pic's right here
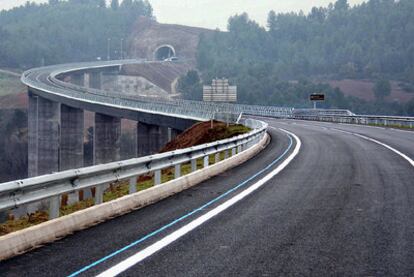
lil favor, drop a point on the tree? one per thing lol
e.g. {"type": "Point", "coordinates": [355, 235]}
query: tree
{"type": "Point", "coordinates": [190, 85]}
{"type": "Point", "coordinates": [341, 5]}
{"type": "Point", "coordinates": [114, 4]}
{"type": "Point", "coordinates": [382, 88]}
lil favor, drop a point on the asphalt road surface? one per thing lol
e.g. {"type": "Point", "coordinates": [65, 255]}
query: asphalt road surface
{"type": "Point", "coordinates": [344, 206]}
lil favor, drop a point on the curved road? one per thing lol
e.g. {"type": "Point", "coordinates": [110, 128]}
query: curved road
{"type": "Point", "coordinates": [344, 206]}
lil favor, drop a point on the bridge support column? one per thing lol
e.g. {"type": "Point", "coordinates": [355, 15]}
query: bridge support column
{"type": "Point", "coordinates": [150, 138]}
{"type": "Point", "coordinates": [71, 138]}
{"type": "Point", "coordinates": [78, 79]}
{"type": "Point", "coordinates": [106, 139]}
{"type": "Point", "coordinates": [154, 138]}
{"type": "Point", "coordinates": [164, 136]}
{"type": "Point", "coordinates": [48, 136]}
{"type": "Point", "coordinates": [95, 80]}
{"type": "Point", "coordinates": [44, 132]}
{"type": "Point", "coordinates": [71, 144]}
{"type": "Point", "coordinates": [32, 134]}
{"type": "Point", "coordinates": [172, 133]}
{"type": "Point", "coordinates": [143, 139]}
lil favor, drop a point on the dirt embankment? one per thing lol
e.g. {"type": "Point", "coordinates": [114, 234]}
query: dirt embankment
{"type": "Point", "coordinates": [203, 133]}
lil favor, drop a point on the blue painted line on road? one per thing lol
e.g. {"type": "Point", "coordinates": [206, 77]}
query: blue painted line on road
{"type": "Point", "coordinates": [156, 232]}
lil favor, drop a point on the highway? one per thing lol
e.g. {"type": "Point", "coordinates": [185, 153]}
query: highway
{"type": "Point", "coordinates": [343, 206]}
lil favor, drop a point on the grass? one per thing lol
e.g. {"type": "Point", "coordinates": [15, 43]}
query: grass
{"type": "Point", "coordinates": [392, 126]}
{"type": "Point", "coordinates": [115, 191]}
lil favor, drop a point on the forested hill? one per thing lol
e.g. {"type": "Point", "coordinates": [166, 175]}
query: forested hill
{"type": "Point", "coordinates": [65, 31]}
{"type": "Point", "coordinates": [376, 37]}
{"type": "Point", "coordinates": [374, 40]}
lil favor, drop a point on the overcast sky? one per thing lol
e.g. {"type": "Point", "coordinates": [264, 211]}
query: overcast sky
{"type": "Point", "coordinates": [214, 13]}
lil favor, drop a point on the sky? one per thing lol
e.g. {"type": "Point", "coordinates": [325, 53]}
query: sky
{"type": "Point", "coordinates": [214, 13]}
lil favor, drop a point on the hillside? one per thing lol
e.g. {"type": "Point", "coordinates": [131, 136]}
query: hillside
{"type": "Point", "coordinates": [371, 41]}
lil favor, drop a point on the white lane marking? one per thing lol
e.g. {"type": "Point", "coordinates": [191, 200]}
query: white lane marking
{"type": "Point", "coordinates": [379, 143]}
{"type": "Point", "coordinates": [150, 250]}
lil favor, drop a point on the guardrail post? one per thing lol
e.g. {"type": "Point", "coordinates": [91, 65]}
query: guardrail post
{"type": "Point", "coordinates": [206, 161]}
{"type": "Point", "coordinates": [133, 185]}
{"type": "Point", "coordinates": [193, 165]}
{"type": "Point", "coordinates": [157, 177]}
{"type": "Point", "coordinates": [226, 154]}
{"type": "Point", "coordinates": [99, 192]}
{"type": "Point", "coordinates": [177, 171]}
{"type": "Point", "coordinates": [233, 152]}
{"type": "Point", "coordinates": [239, 149]}
{"type": "Point", "coordinates": [54, 206]}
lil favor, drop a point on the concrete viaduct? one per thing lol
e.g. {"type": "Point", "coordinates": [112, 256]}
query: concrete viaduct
{"type": "Point", "coordinates": [56, 120]}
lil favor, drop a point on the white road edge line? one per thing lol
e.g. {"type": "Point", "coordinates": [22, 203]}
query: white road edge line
{"type": "Point", "coordinates": [379, 143]}
{"type": "Point", "coordinates": [150, 250]}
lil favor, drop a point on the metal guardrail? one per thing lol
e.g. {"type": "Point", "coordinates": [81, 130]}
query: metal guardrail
{"type": "Point", "coordinates": [180, 108]}
{"type": "Point", "coordinates": [17, 193]}
{"type": "Point", "coordinates": [387, 121]}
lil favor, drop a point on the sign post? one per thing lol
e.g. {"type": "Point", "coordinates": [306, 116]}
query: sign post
{"type": "Point", "coordinates": [315, 97]}
{"type": "Point", "coordinates": [220, 91]}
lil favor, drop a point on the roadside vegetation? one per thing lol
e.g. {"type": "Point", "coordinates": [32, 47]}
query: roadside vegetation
{"type": "Point", "coordinates": [67, 31]}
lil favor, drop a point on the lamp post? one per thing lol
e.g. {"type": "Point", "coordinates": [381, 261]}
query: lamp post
{"type": "Point", "coordinates": [122, 48]}
{"type": "Point", "coordinates": [108, 49]}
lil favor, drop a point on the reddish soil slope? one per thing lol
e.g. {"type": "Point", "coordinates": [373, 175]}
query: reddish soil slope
{"type": "Point", "coordinates": [202, 133]}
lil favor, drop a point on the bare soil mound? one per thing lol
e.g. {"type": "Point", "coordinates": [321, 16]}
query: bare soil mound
{"type": "Point", "coordinates": [201, 133]}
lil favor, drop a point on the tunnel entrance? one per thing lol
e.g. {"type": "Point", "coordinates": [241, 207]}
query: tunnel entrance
{"type": "Point", "coordinates": [164, 52]}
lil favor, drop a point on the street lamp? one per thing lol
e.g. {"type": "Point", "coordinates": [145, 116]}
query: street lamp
{"type": "Point", "coordinates": [122, 48]}
{"type": "Point", "coordinates": [108, 53]}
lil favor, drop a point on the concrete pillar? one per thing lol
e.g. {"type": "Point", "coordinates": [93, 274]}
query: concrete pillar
{"type": "Point", "coordinates": [71, 144]}
{"type": "Point", "coordinates": [154, 139]}
{"type": "Point", "coordinates": [78, 79]}
{"type": "Point", "coordinates": [150, 138]}
{"type": "Point", "coordinates": [95, 80]}
{"type": "Point", "coordinates": [143, 139]}
{"type": "Point", "coordinates": [164, 136]}
{"type": "Point", "coordinates": [48, 119]}
{"type": "Point", "coordinates": [173, 133]}
{"type": "Point", "coordinates": [107, 136]}
{"type": "Point", "coordinates": [44, 132]}
{"type": "Point", "coordinates": [32, 136]}
{"type": "Point", "coordinates": [71, 138]}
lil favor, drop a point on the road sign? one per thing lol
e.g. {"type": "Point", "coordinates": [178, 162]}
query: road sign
{"type": "Point", "coordinates": [317, 97]}
{"type": "Point", "coordinates": [220, 91]}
